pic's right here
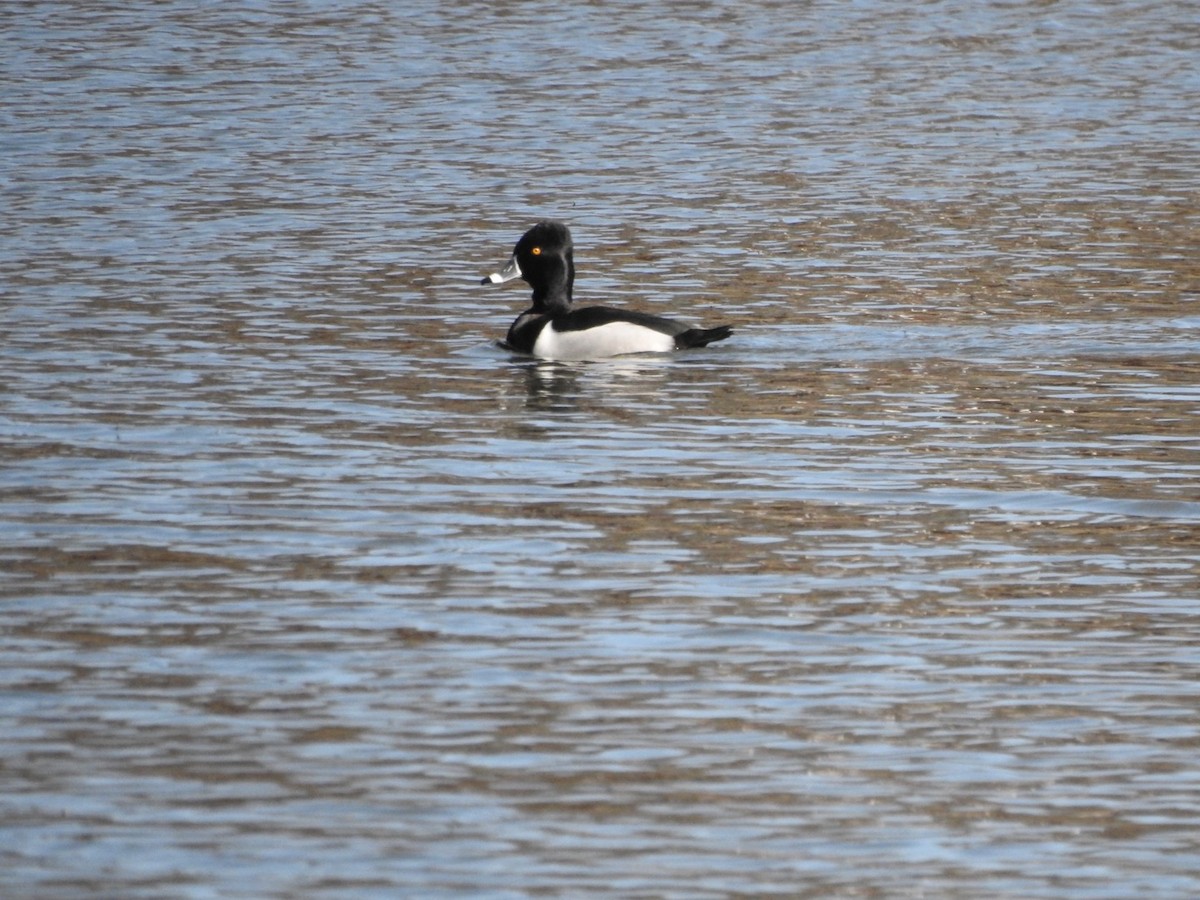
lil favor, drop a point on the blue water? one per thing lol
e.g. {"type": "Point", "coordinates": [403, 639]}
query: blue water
{"type": "Point", "coordinates": [311, 589]}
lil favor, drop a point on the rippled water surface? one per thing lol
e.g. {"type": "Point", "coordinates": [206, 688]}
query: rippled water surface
{"type": "Point", "coordinates": [310, 589]}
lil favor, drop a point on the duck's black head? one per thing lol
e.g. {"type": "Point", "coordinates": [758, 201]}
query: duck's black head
{"type": "Point", "coordinates": [545, 258]}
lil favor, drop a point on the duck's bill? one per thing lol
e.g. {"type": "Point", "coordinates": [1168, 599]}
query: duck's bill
{"type": "Point", "coordinates": [508, 273]}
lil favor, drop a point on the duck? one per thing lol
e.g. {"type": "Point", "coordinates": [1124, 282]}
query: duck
{"type": "Point", "coordinates": [554, 329]}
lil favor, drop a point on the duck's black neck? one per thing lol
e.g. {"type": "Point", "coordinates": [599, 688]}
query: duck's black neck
{"type": "Point", "coordinates": [556, 278]}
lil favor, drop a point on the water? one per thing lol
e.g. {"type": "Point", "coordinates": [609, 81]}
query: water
{"type": "Point", "coordinates": [310, 589]}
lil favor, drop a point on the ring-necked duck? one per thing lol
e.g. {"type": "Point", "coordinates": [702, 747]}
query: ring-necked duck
{"type": "Point", "coordinates": [553, 329]}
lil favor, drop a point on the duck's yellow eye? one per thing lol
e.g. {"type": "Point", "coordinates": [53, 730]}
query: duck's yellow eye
{"type": "Point", "coordinates": [536, 251]}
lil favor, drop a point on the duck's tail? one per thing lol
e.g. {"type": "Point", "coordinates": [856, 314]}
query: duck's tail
{"type": "Point", "coordinates": [702, 337]}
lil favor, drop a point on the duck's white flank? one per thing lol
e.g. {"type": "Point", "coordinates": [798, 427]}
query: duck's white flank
{"type": "Point", "coordinates": [613, 339]}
